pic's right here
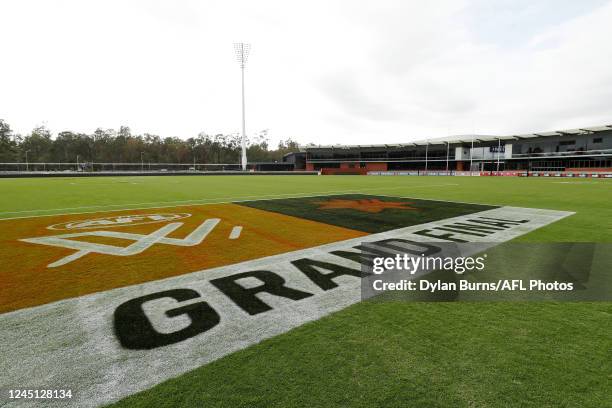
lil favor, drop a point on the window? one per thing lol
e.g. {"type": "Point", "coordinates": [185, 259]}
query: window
{"type": "Point", "coordinates": [598, 140]}
{"type": "Point", "coordinates": [567, 143]}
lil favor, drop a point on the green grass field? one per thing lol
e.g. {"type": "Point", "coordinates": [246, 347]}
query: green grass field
{"type": "Point", "coordinates": [394, 354]}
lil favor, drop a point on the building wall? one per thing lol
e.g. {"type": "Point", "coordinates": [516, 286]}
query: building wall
{"type": "Point", "coordinates": [485, 153]}
{"type": "Point", "coordinates": [347, 168]}
{"type": "Point", "coordinates": [376, 166]}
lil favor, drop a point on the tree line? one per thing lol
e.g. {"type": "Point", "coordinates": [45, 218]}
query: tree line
{"type": "Point", "coordinates": [121, 146]}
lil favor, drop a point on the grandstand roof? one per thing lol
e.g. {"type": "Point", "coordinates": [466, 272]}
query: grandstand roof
{"type": "Point", "coordinates": [476, 138]}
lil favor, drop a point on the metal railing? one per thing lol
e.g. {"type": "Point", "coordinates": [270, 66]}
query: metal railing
{"type": "Point", "coordinates": [597, 152]}
{"type": "Point", "coordinates": [143, 167]}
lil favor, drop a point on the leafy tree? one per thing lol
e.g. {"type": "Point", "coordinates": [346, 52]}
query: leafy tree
{"type": "Point", "coordinates": [110, 146]}
{"type": "Point", "coordinates": [8, 146]}
{"type": "Point", "coordinates": [38, 145]}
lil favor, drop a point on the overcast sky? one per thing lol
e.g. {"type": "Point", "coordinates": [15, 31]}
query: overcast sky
{"type": "Point", "coordinates": [320, 71]}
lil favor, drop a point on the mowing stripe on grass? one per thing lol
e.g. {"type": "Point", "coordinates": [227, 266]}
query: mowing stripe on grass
{"type": "Point", "coordinates": [203, 201]}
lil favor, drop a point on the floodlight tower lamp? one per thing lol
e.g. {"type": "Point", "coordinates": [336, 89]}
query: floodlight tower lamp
{"type": "Point", "coordinates": [242, 55]}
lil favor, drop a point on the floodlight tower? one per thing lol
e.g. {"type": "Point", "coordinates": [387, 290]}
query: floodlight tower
{"type": "Point", "coordinates": [242, 54]}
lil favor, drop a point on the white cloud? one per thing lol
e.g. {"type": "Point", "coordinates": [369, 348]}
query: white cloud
{"type": "Point", "coordinates": [320, 71]}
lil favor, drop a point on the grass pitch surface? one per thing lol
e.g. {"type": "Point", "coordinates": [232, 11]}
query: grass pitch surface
{"type": "Point", "coordinates": [381, 354]}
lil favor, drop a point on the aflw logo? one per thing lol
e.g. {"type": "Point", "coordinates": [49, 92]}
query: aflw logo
{"type": "Point", "coordinates": [141, 242]}
{"type": "Point", "coordinates": [118, 221]}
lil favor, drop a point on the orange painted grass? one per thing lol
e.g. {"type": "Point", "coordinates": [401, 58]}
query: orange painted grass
{"type": "Point", "coordinates": [25, 279]}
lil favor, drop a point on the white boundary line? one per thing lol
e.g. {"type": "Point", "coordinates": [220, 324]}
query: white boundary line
{"type": "Point", "coordinates": [204, 201]}
{"type": "Point", "coordinates": [579, 181]}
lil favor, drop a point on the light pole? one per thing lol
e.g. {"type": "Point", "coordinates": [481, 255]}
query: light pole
{"type": "Point", "coordinates": [426, 154]}
{"type": "Point", "coordinates": [498, 152]}
{"type": "Point", "coordinates": [141, 162]}
{"type": "Point", "coordinates": [447, 151]}
{"type": "Point", "coordinates": [471, 154]}
{"type": "Point", "coordinates": [77, 163]}
{"type": "Point", "coordinates": [242, 54]}
{"type": "Point", "coordinates": [27, 166]}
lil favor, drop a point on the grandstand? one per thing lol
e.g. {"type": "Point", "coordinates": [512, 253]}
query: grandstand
{"type": "Point", "coordinates": [574, 150]}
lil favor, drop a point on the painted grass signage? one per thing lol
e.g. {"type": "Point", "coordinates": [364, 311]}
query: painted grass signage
{"type": "Point", "coordinates": [140, 242]}
{"type": "Point", "coordinates": [118, 221]}
{"type": "Point", "coordinates": [52, 265]}
{"type": "Point", "coordinates": [108, 344]}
